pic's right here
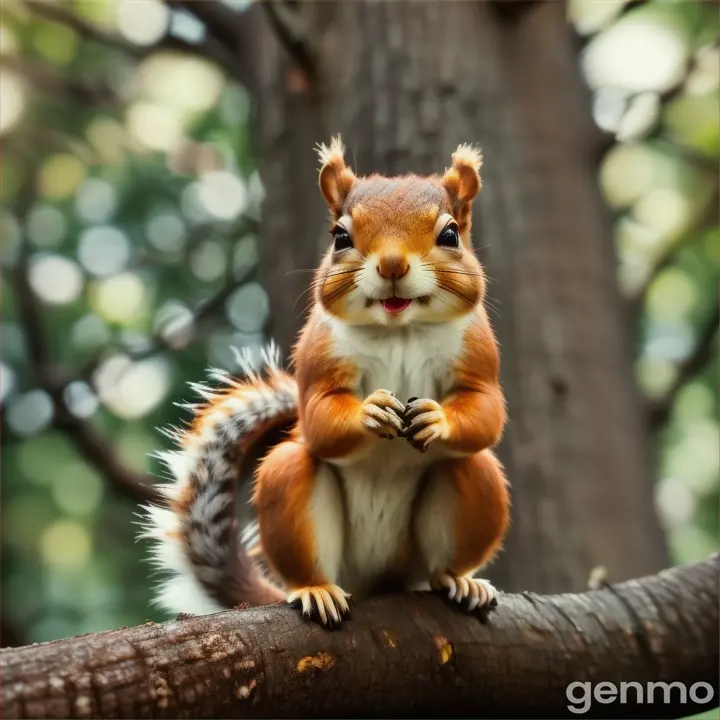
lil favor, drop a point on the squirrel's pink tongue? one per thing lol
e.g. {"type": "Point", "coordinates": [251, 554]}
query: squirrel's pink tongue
{"type": "Point", "coordinates": [395, 304]}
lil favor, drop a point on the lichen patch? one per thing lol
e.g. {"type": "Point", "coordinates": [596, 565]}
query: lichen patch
{"type": "Point", "coordinates": [319, 661]}
{"type": "Point", "coordinates": [444, 648]}
{"type": "Point", "coordinates": [389, 638]}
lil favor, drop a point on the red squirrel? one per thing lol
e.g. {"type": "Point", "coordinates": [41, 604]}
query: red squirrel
{"type": "Point", "coordinates": [385, 479]}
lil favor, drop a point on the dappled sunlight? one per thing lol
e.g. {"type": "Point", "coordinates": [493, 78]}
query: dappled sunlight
{"type": "Point", "coordinates": [81, 400]}
{"type": "Point", "coordinates": [663, 210]}
{"type": "Point", "coordinates": [142, 23]}
{"type": "Point", "coordinates": [182, 84]}
{"type": "Point", "coordinates": [108, 139]}
{"type": "Point", "coordinates": [166, 231]}
{"type": "Point", "coordinates": [60, 176]}
{"type": "Point", "coordinates": [104, 250]}
{"type": "Point", "coordinates": [248, 308]}
{"type": "Point", "coordinates": [121, 299]}
{"type": "Point", "coordinates": [132, 389]}
{"type": "Point", "coordinates": [208, 262]}
{"type": "Point", "coordinates": [55, 279]}
{"type": "Point", "coordinates": [154, 126]}
{"type": "Point", "coordinates": [46, 226]}
{"type": "Point", "coordinates": [95, 200]}
{"type": "Point", "coordinates": [613, 57]}
{"type": "Point", "coordinates": [89, 332]}
{"type": "Point", "coordinates": [66, 545]}
{"type": "Point", "coordinates": [7, 381]}
{"type": "Point", "coordinates": [175, 324]}
{"type": "Point", "coordinates": [30, 412]}
{"type": "Point", "coordinates": [77, 490]}
{"type": "Point", "coordinates": [12, 101]}
{"type": "Point", "coordinates": [222, 194]}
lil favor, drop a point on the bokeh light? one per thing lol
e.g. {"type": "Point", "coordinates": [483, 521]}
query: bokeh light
{"type": "Point", "coordinates": [166, 232]}
{"type": "Point", "coordinates": [142, 23]}
{"type": "Point", "coordinates": [248, 307]}
{"type": "Point", "coordinates": [66, 545]}
{"type": "Point", "coordinates": [30, 412]}
{"type": "Point", "coordinates": [121, 299]}
{"type": "Point", "coordinates": [154, 126]}
{"type": "Point", "coordinates": [12, 100]}
{"type": "Point", "coordinates": [95, 200]}
{"type": "Point", "coordinates": [132, 389]}
{"type": "Point", "coordinates": [80, 399]}
{"type": "Point", "coordinates": [46, 225]}
{"type": "Point", "coordinates": [104, 250]}
{"type": "Point", "coordinates": [7, 381]}
{"type": "Point", "coordinates": [60, 176]}
{"type": "Point", "coordinates": [223, 194]}
{"type": "Point", "coordinates": [612, 57]}
{"type": "Point", "coordinates": [55, 279]}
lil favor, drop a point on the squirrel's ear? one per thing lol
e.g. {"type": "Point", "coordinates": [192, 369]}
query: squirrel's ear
{"type": "Point", "coordinates": [335, 179]}
{"type": "Point", "coordinates": [462, 179]}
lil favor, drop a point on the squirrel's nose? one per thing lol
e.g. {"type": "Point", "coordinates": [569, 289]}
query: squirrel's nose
{"type": "Point", "coordinates": [392, 267]}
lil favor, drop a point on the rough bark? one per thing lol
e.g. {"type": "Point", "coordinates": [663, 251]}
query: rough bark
{"type": "Point", "coordinates": [405, 83]}
{"type": "Point", "coordinates": [409, 657]}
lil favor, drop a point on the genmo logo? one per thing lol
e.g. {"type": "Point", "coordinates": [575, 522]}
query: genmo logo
{"type": "Point", "coordinates": [581, 695]}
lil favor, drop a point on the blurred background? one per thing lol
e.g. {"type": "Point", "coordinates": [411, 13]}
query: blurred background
{"type": "Point", "coordinates": [133, 256]}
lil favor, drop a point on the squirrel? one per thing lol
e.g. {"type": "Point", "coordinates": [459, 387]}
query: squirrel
{"type": "Point", "coordinates": [383, 476]}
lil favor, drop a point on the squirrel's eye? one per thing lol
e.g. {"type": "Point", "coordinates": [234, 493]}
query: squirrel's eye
{"type": "Point", "coordinates": [343, 241]}
{"type": "Point", "coordinates": [449, 237]}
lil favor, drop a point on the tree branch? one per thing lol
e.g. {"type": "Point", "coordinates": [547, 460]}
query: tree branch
{"type": "Point", "coordinates": [409, 656]}
{"type": "Point", "coordinates": [208, 49]}
{"type": "Point", "coordinates": [512, 10]}
{"type": "Point", "coordinates": [54, 12]}
{"type": "Point", "coordinates": [220, 21]}
{"type": "Point", "coordinates": [660, 408]}
{"type": "Point", "coordinates": [292, 33]}
{"type": "Point", "coordinates": [707, 216]}
{"type": "Point", "coordinates": [93, 447]}
{"type": "Point", "coordinates": [45, 79]}
{"type": "Point", "coordinates": [202, 313]}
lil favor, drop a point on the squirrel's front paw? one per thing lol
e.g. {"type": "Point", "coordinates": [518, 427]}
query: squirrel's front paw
{"type": "Point", "coordinates": [381, 413]}
{"type": "Point", "coordinates": [326, 604]}
{"type": "Point", "coordinates": [425, 422]}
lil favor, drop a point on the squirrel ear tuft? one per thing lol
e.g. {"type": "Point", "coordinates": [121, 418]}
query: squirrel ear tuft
{"type": "Point", "coordinates": [335, 179]}
{"type": "Point", "coordinates": [462, 179]}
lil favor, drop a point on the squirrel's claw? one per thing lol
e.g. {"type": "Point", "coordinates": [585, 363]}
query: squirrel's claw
{"type": "Point", "coordinates": [479, 594]}
{"type": "Point", "coordinates": [326, 604]}
{"type": "Point", "coordinates": [424, 422]}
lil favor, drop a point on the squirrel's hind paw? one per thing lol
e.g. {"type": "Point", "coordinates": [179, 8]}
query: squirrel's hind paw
{"type": "Point", "coordinates": [326, 604]}
{"type": "Point", "coordinates": [479, 594]}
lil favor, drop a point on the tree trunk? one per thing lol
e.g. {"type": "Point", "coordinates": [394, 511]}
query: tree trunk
{"type": "Point", "coordinates": [405, 83]}
{"type": "Point", "coordinates": [409, 657]}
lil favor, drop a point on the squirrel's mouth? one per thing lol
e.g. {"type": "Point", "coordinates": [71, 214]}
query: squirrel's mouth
{"type": "Point", "coordinates": [395, 305]}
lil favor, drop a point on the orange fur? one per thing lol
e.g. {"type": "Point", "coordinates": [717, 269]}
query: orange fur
{"type": "Point", "coordinates": [393, 222]}
{"type": "Point", "coordinates": [475, 409]}
{"type": "Point", "coordinates": [330, 419]}
{"type": "Point", "coordinates": [335, 179]}
{"type": "Point", "coordinates": [483, 511]}
{"type": "Point", "coordinates": [284, 483]}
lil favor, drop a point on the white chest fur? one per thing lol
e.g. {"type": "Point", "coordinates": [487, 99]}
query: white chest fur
{"type": "Point", "coordinates": [413, 361]}
{"type": "Point", "coordinates": [380, 487]}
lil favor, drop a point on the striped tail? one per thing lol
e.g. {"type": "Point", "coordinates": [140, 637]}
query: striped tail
{"type": "Point", "coordinates": [195, 537]}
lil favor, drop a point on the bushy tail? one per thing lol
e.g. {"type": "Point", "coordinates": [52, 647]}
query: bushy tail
{"type": "Point", "coordinates": [196, 539]}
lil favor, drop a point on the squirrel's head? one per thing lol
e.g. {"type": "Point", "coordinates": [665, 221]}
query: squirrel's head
{"type": "Point", "coordinates": [401, 251]}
